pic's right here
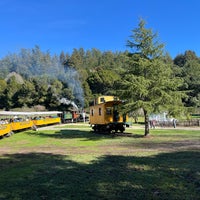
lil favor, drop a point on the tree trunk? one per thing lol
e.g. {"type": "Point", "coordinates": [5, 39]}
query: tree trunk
{"type": "Point", "coordinates": [146, 122]}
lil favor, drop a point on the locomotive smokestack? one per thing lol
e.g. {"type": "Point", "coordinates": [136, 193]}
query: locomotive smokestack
{"type": "Point", "coordinates": [68, 102]}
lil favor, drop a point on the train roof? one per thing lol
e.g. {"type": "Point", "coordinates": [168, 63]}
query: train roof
{"type": "Point", "coordinates": [113, 102]}
{"type": "Point", "coordinates": [10, 113]}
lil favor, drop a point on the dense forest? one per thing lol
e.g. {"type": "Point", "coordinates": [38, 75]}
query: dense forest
{"type": "Point", "coordinates": [41, 81]}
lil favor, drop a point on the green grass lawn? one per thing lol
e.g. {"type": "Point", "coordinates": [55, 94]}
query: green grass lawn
{"type": "Point", "coordinates": [78, 164]}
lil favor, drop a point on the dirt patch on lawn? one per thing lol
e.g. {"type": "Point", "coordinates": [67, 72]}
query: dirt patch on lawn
{"type": "Point", "coordinates": [109, 149]}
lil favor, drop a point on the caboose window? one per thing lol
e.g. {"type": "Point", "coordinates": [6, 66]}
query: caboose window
{"type": "Point", "coordinates": [108, 111]}
{"type": "Point", "coordinates": [102, 100]}
{"type": "Point", "coordinates": [92, 112]}
{"type": "Point", "coordinates": [99, 111]}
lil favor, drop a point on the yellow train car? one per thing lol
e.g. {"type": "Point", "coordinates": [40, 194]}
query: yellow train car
{"type": "Point", "coordinates": [106, 116]}
{"type": "Point", "coordinates": [46, 118]}
{"type": "Point", "coordinates": [11, 122]}
{"type": "Point", "coordinates": [5, 130]}
{"type": "Point", "coordinates": [20, 125]}
{"type": "Point", "coordinates": [46, 121]}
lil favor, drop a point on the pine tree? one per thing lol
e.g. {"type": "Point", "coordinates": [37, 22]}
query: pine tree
{"type": "Point", "coordinates": [149, 82]}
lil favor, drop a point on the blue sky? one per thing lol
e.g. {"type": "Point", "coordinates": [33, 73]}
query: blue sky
{"type": "Point", "coordinates": [57, 25]}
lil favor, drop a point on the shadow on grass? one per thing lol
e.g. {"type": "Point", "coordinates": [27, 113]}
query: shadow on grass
{"type": "Point", "coordinates": [48, 176]}
{"type": "Point", "coordinates": [88, 135]}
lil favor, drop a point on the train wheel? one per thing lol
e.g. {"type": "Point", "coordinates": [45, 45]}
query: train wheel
{"type": "Point", "coordinates": [122, 129]}
{"type": "Point", "coordinates": [109, 130]}
{"type": "Point", "coordinates": [97, 128]}
{"type": "Point", "coordinates": [94, 128]}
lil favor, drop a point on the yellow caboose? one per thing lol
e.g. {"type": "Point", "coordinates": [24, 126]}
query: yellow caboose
{"type": "Point", "coordinates": [105, 115]}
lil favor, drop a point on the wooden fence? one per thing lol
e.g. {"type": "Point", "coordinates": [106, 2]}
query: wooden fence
{"type": "Point", "coordinates": [193, 122]}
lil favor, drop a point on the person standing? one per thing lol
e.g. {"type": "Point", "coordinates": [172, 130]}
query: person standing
{"type": "Point", "coordinates": [174, 122]}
